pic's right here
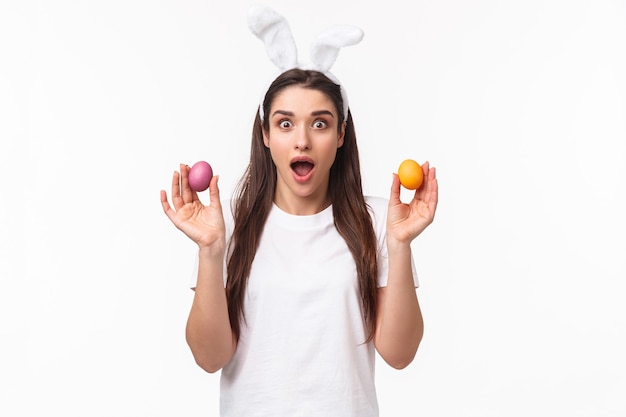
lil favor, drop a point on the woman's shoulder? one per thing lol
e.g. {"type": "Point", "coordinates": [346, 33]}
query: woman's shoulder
{"type": "Point", "coordinates": [377, 204]}
{"type": "Point", "coordinates": [228, 211]}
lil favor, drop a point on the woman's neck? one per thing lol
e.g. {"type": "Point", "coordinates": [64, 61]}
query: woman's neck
{"type": "Point", "coordinates": [302, 206]}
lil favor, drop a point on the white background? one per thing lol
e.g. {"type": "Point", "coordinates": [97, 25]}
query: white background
{"type": "Point", "coordinates": [521, 106]}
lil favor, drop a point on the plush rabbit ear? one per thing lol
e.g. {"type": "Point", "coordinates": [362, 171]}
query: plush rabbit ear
{"type": "Point", "coordinates": [274, 31]}
{"type": "Point", "coordinates": [326, 47]}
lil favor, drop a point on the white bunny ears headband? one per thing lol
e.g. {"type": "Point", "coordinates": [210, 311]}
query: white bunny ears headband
{"type": "Point", "coordinates": [274, 31]}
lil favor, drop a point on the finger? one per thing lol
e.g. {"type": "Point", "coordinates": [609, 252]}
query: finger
{"type": "Point", "coordinates": [433, 186]}
{"type": "Point", "coordinates": [394, 196]}
{"type": "Point", "coordinates": [176, 198]}
{"type": "Point", "coordinates": [188, 194]}
{"type": "Point", "coordinates": [431, 190]}
{"type": "Point", "coordinates": [431, 180]}
{"type": "Point", "coordinates": [432, 175]}
{"type": "Point", "coordinates": [214, 192]}
{"type": "Point", "coordinates": [425, 169]}
{"type": "Point", "coordinates": [166, 206]}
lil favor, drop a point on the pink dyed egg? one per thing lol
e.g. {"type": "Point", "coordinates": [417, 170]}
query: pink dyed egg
{"type": "Point", "coordinates": [200, 175]}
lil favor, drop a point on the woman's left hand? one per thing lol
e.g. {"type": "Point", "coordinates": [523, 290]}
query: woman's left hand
{"type": "Point", "coordinates": [406, 221]}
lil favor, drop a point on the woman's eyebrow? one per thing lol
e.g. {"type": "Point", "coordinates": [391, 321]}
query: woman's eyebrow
{"type": "Point", "coordinates": [322, 112]}
{"type": "Point", "coordinates": [283, 112]}
{"type": "Point", "coordinates": [314, 113]}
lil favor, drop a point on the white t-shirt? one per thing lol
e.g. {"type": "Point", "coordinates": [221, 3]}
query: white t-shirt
{"type": "Point", "coordinates": [301, 350]}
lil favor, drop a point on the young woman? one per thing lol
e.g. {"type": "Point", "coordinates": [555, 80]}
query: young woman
{"type": "Point", "coordinates": [304, 278]}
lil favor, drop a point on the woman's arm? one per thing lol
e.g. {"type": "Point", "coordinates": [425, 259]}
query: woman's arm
{"type": "Point", "coordinates": [399, 324]}
{"type": "Point", "coordinates": [209, 334]}
{"type": "Point", "coordinates": [208, 331]}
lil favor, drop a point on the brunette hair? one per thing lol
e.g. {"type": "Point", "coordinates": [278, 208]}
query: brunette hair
{"type": "Point", "coordinates": [254, 196]}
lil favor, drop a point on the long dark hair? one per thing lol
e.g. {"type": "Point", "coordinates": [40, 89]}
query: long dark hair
{"type": "Point", "coordinates": [254, 196]}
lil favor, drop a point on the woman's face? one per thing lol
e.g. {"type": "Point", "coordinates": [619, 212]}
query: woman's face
{"type": "Point", "coordinates": [303, 140]}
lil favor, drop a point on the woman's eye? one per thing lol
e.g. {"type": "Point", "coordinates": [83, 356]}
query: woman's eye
{"type": "Point", "coordinates": [319, 124]}
{"type": "Point", "coordinates": [284, 124]}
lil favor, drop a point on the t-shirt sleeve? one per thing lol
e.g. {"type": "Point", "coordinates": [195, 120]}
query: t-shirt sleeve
{"type": "Point", "coordinates": [230, 223]}
{"type": "Point", "coordinates": [378, 207]}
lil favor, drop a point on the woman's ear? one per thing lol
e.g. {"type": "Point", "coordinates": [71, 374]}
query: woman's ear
{"type": "Point", "coordinates": [266, 137]}
{"type": "Point", "coordinates": [342, 133]}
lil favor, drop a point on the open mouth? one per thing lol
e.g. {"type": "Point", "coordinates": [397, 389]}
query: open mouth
{"type": "Point", "coordinates": [302, 167]}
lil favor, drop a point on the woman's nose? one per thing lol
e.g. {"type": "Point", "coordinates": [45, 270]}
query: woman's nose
{"type": "Point", "coordinates": [302, 139]}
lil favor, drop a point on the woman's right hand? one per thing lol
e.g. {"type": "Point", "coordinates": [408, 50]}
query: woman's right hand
{"type": "Point", "coordinates": [202, 224]}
